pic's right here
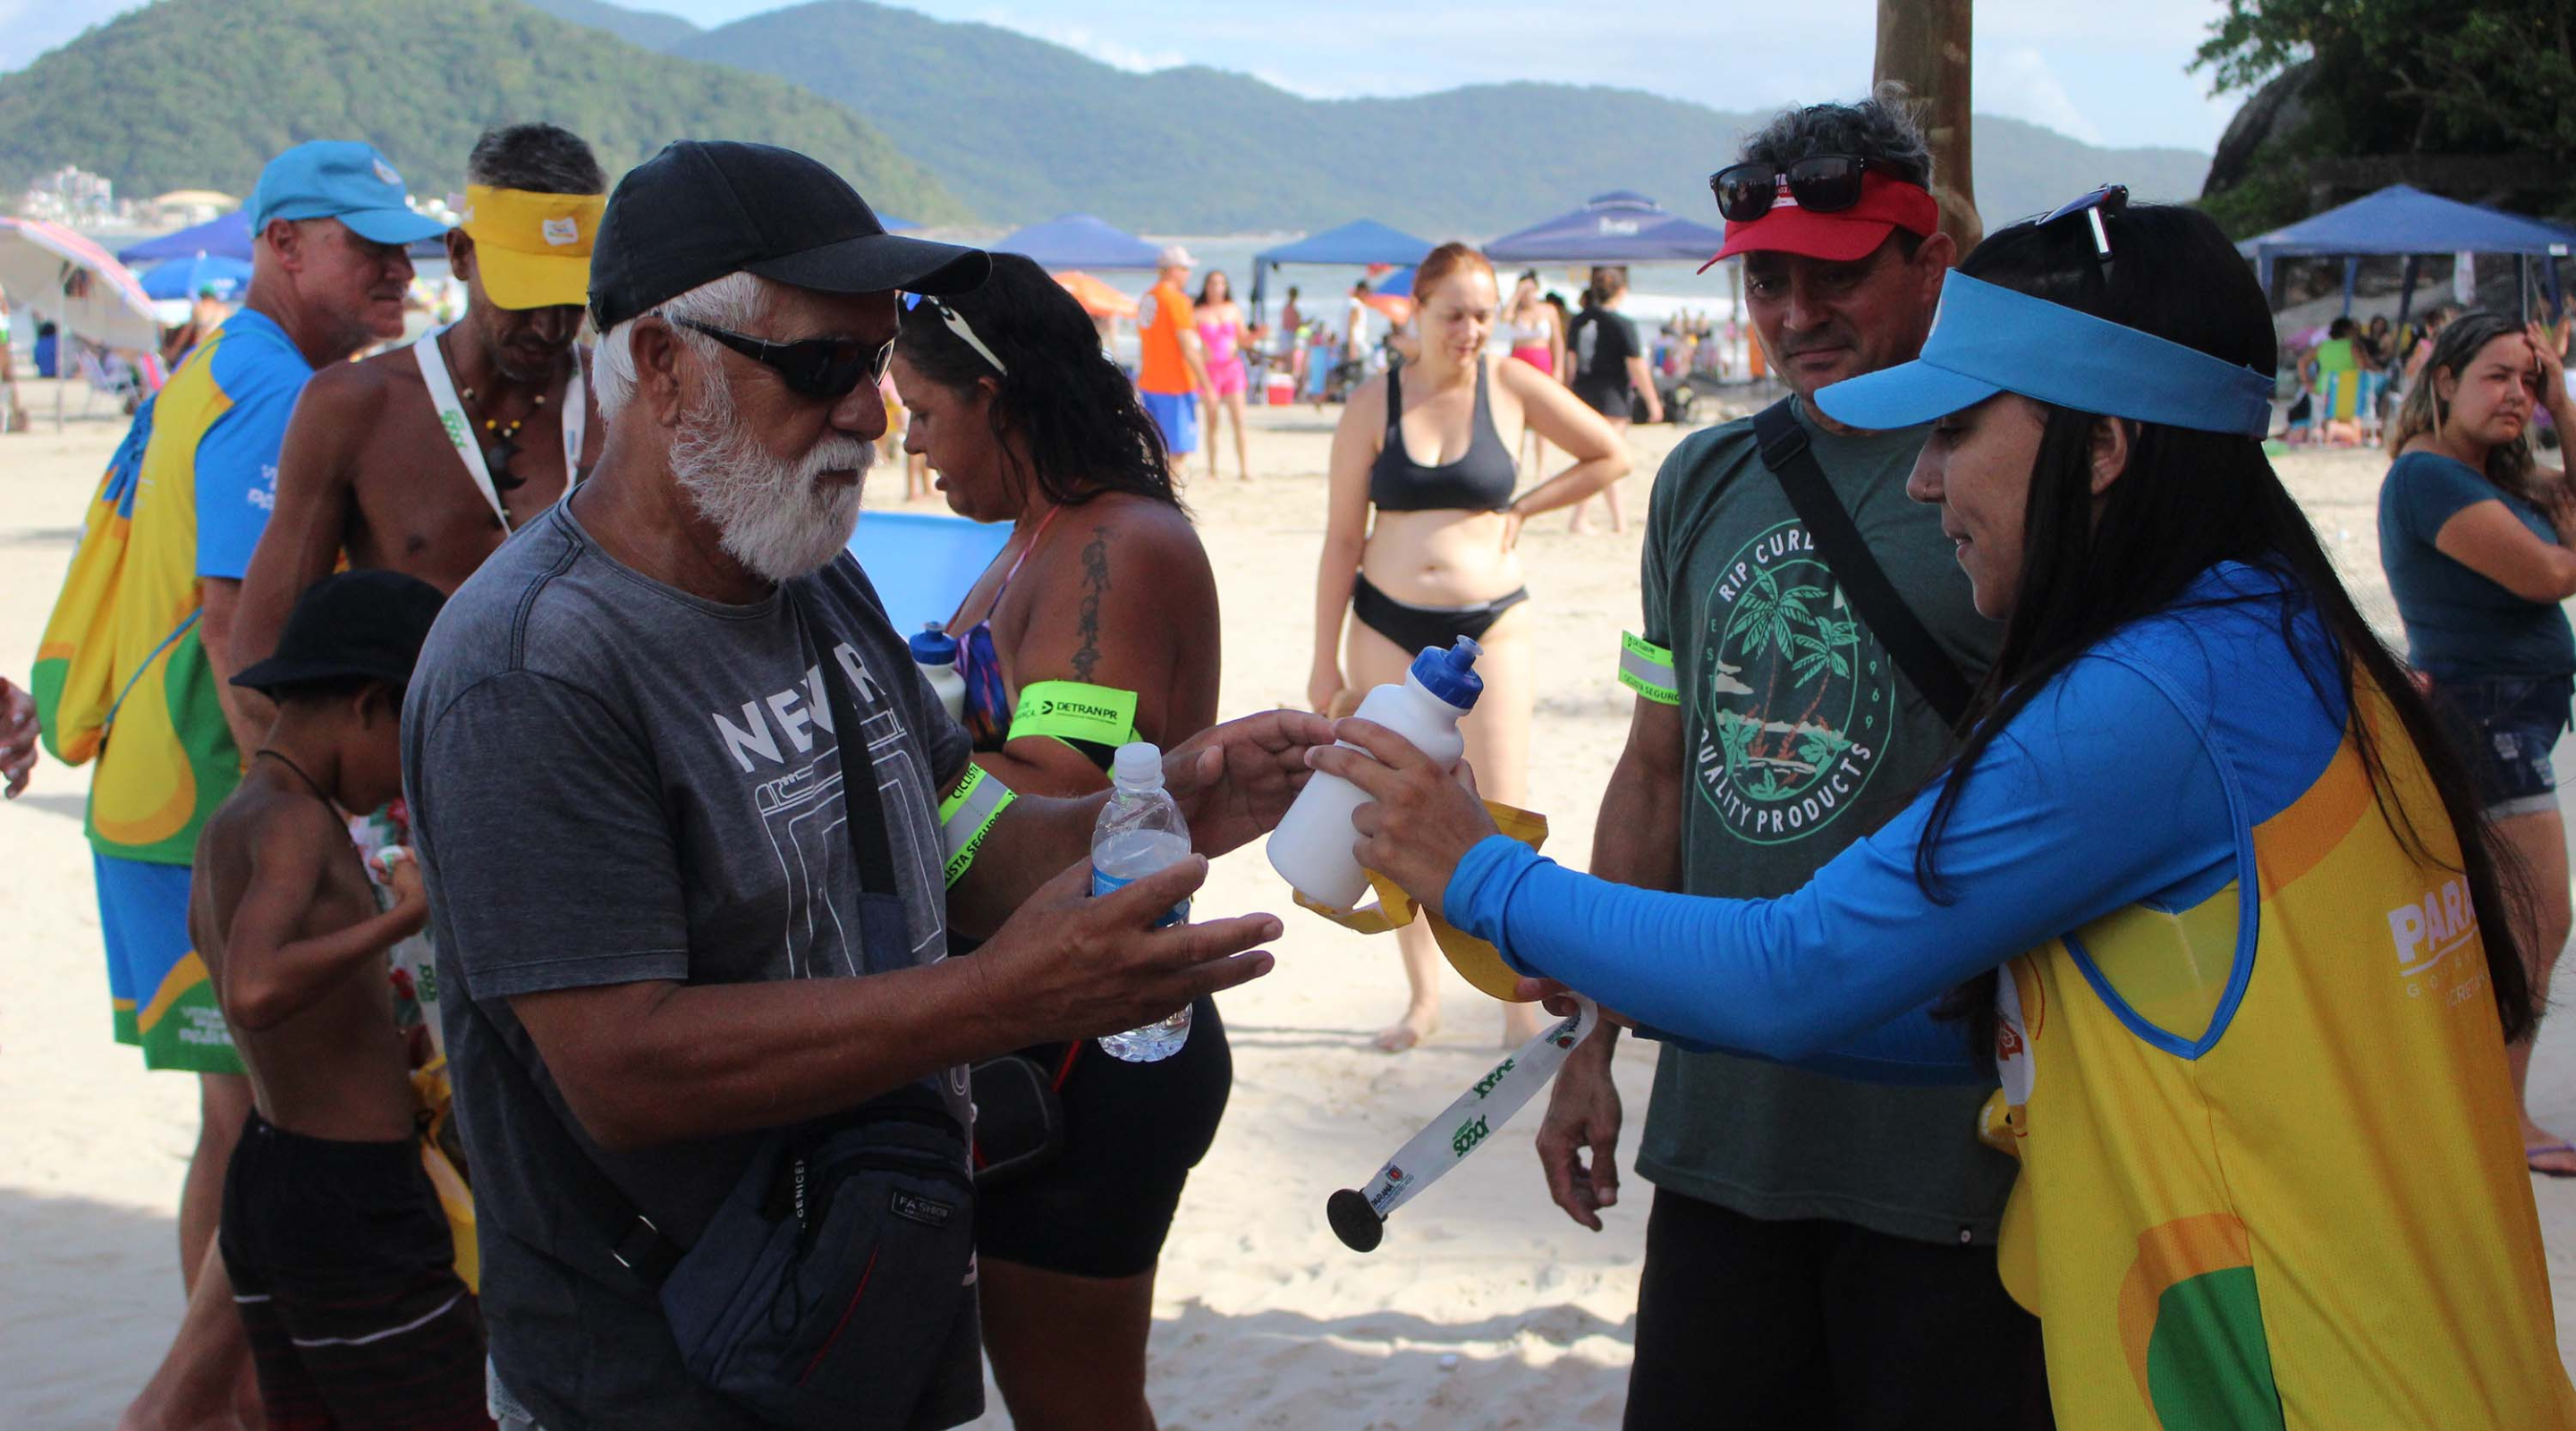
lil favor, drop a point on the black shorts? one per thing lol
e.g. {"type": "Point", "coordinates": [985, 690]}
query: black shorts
{"type": "Point", "coordinates": [1607, 398]}
{"type": "Point", "coordinates": [345, 1276]}
{"type": "Point", "coordinates": [1825, 1326]}
{"type": "Point", "coordinates": [1132, 1133]}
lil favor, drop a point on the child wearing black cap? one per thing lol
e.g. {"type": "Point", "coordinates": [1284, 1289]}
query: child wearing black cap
{"type": "Point", "coordinates": [342, 1263]}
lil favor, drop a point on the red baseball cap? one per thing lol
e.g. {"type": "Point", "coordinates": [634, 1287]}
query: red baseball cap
{"type": "Point", "coordinates": [1886, 204]}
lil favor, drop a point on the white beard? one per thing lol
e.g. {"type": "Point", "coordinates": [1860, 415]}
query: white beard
{"type": "Point", "coordinates": [774, 516]}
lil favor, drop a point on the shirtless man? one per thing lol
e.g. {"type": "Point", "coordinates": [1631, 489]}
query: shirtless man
{"type": "Point", "coordinates": [423, 458]}
{"type": "Point", "coordinates": [342, 1265]}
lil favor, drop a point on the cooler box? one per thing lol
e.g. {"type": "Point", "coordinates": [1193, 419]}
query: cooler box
{"type": "Point", "coordinates": [1279, 386]}
{"type": "Point", "coordinates": [922, 565]}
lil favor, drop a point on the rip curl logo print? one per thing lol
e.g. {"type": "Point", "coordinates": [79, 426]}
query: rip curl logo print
{"type": "Point", "coordinates": [1794, 696]}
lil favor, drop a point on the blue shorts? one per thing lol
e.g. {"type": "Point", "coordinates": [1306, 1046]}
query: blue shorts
{"type": "Point", "coordinates": [1177, 414]}
{"type": "Point", "coordinates": [157, 986]}
{"type": "Point", "coordinates": [2506, 729]}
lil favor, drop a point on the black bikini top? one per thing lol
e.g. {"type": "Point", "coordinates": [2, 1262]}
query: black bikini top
{"type": "Point", "coordinates": [1480, 481]}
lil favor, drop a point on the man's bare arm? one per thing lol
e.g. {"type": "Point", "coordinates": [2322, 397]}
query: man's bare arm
{"type": "Point", "coordinates": [246, 711]}
{"type": "Point", "coordinates": [651, 1063]}
{"type": "Point", "coordinates": [270, 974]}
{"type": "Point", "coordinates": [316, 493]}
{"type": "Point", "coordinates": [1637, 840]}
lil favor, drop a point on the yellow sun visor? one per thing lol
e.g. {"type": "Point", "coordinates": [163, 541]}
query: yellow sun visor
{"type": "Point", "coordinates": [532, 250]}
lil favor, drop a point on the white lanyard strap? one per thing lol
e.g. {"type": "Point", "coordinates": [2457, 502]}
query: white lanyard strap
{"type": "Point", "coordinates": [452, 419]}
{"type": "Point", "coordinates": [451, 416]}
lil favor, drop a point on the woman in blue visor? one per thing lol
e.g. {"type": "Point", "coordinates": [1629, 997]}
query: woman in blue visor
{"type": "Point", "coordinates": [2215, 894]}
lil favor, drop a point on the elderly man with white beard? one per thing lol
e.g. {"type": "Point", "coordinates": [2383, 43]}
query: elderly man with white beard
{"type": "Point", "coordinates": [703, 991]}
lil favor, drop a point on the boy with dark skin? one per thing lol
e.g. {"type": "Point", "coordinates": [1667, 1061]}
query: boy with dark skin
{"type": "Point", "coordinates": [342, 1265]}
{"type": "Point", "coordinates": [369, 467]}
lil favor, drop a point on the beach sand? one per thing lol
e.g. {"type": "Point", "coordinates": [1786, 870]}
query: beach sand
{"type": "Point", "coordinates": [1485, 1307]}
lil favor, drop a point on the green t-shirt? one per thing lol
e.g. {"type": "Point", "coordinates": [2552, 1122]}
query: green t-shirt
{"type": "Point", "coordinates": [1800, 736]}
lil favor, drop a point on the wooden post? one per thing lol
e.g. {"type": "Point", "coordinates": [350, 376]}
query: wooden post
{"type": "Point", "coordinates": [1923, 45]}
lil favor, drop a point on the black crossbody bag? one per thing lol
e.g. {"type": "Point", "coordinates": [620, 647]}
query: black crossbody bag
{"type": "Point", "coordinates": [1784, 448]}
{"type": "Point", "coordinates": [832, 1289]}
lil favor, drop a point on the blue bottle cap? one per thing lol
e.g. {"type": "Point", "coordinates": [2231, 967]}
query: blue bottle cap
{"type": "Point", "coordinates": [934, 647]}
{"type": "Point", "coordinates": [1451, 674]}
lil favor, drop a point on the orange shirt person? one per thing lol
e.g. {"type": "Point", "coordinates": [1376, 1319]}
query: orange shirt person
{"type": "Point", "coordinates": [1174, 375]}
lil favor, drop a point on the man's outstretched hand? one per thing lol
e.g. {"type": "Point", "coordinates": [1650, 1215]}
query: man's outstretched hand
{"type": "Point", "coordinates": [1235, 780]}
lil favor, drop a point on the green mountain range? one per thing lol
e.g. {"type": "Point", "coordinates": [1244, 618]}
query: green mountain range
{"type": "Point", "coordinates": [200, 93]}
{"type": "Point", "coordinates": [938, 121]}
{"type": "Point", "coordinates": [1026, 130]}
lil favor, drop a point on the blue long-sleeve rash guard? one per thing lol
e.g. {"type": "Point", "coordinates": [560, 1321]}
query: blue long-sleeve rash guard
{"type": "Point", "coordinates": [2126, 781]}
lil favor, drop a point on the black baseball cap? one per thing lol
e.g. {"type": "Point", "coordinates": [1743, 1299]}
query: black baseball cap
{"type": "Point", "coordinates": [703, 208]}
{"type": "Point", "coordinates": [367, 624]}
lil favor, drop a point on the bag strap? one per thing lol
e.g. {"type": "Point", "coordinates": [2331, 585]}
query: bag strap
{"type": "Point", "coordinates": [866, 812]}
{"type": "Point", "coordinates": [1785, 450]}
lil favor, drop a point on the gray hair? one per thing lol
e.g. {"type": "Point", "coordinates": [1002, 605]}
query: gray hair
{"type": "Point", "coordinates": [538, 158]}
{"type": "Point", "coordinates": [1882, 127]}
{"type": "Point", "coordinates": [734, 301]}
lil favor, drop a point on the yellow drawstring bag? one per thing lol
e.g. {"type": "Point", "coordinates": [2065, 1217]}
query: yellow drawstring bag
{"type": "Point", "coordinates": [1476, 961]}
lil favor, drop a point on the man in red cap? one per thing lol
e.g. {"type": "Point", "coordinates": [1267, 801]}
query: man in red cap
{"type": "Point", "coordinates": [1820, 1252]}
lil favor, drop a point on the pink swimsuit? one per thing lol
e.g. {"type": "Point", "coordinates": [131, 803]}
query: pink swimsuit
{"type": "Point", "coordinates": [1226, 373]}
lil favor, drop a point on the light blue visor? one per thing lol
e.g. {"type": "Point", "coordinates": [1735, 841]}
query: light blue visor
{"type": "Point", "coordinates": [1986, 340]}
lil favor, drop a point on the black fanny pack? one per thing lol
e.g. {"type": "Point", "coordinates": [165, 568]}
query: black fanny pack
{"type": "Point", "coordinates": [833, 1289]}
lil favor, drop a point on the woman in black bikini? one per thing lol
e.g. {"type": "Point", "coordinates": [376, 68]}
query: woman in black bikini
{"type": "Point", "coordinates": [1423, 553]}
{"type": "Point", "coordinates": [1095, 625]}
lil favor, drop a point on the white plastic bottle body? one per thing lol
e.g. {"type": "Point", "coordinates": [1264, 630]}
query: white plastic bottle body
{"type": "Point", "coordinates": [1311, 849]}
{"type": "Point", "coordinates": [949, 686]}
{"type": "Point", "coordinates": [1141, 831]}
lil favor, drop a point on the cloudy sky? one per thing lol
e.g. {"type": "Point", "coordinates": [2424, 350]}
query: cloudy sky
{"type": "Point", "coordinates": [2105, 73]}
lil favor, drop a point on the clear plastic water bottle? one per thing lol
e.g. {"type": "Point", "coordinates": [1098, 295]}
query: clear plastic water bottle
{"type": "Point", "coordinates": [1141, 831]}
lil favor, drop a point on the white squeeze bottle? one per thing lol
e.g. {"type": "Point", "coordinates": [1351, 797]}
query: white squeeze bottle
{"type": "Point", "coordinates": [1311, 849]}
{"type": "Point", "coordinates": [935, 652]}
{"type": "Point", "coordinates": [1141, 831]}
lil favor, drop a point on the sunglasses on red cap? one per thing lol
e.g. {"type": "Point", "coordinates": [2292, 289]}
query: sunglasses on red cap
{"type": "Point", "coordinates": [1820, 183]}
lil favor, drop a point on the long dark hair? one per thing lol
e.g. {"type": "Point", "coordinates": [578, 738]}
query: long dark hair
{"type": "Point", "coordinates": [1085, 430]}
{"type": "Point", "coordinates": [2187, 501]}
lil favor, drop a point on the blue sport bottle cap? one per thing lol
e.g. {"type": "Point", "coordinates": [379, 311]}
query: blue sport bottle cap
{"type": "Point", "coordinates": [1451, 674]}
{"type": "Point", "coordinates": [934, 647]}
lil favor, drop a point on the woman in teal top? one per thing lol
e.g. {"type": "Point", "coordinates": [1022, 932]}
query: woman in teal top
{"type": "Point", "coordinates": [2475, 537]}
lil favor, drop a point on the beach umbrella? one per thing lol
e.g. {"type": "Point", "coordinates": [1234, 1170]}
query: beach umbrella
{"type": "Point", "coordinates": [187, 277]}
{"type": "Point", "coordinates": [1097, 298]}
{"type": "Point", "coordinates": [1082, 241]}
{"type": "Point", "coordinates": [68, 280]}
{"type": "Point", "coordinates": [1622, 226]}
{"type": "Point", "coordinates": [62, 277]}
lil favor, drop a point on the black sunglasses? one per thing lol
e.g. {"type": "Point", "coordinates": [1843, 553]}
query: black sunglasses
{"type": "Point", "coordinates": [2108, 202]}
{"type": "Point", "coordinates": [1824, 183]}
{"type": "Point", "coordinates": [813, 367]}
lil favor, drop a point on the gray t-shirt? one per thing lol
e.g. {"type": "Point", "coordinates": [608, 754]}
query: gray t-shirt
{"type": "Point", "coordinates": [611, 781]}
{"type": "Point", "coordinates": [1800, 736]}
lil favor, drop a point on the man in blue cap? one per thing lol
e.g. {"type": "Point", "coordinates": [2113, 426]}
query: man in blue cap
{"type": "Point", "coordinates": [328, 274]}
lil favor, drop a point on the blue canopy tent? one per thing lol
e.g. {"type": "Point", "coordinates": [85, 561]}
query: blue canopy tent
{"type": "Point", "coordinates": [2405, 221]}
{"type": "Point", "coordinates": [186, 277]}
{"type": "Point", "coordinates": [1081, 241]}
{"type": "Point", "coordinates": [1359, 243]}
{"type": "Point", "coordinates": [226, 237]}
{"type": "Point", "coordinates": [1622, 226]}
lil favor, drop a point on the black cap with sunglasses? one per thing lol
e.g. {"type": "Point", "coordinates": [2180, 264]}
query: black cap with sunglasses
{"type": "Point", "coordinates": [703, 208]}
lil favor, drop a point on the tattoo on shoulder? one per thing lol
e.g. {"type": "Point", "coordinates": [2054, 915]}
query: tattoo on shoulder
{"type": "Point", "coordinates": [1095, 582]}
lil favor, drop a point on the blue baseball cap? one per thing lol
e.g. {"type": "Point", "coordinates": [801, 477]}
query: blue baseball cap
{"type": "Point", "coordinates": [1988, 339]}
{"type": "Point", "coordinates": [339, 179]}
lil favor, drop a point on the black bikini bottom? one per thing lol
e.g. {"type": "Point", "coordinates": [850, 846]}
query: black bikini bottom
{"type": "Point", "coordinates": [1415, 627]}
